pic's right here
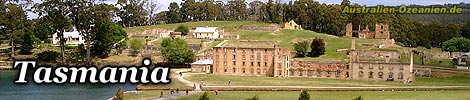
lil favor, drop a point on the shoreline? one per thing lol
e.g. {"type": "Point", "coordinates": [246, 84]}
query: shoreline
{"type": "Point", "coordinates": [6, 68]}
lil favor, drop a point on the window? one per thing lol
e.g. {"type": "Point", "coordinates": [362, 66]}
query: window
{"type": "Point", "coordinates": [225, 69]}
{"type": "Point", "coordinates": [381, 74]}
{"type": "Point", "coordinates": [243, 70]}
{"type": "Point", "coordinates": [243, 63]}
{"type": "Point", "coordinates": [400, 75]}
{"type": "Point", "coordinates": [258, 71]}
{"type": "Point", "coordinates": [318, 73]}
{"type": "Point", "coordinates": [234, 69]}
{"type": "Point", "coordinates": [259, 64]}
{"type": "Point", "coordinates": [234, 63]}
{"type": "Point", "coordinates": [225, 63]}
{"type": "Point", "coordinates": [371, 74]}
{"type": "Point", "coordinates": [328, 74]}
{"type": "Point", "coordinates": [265, 64]}
{"type": "Point", "coordinates": [252, 71]}
{"type": "Point", "coordinates": [234, 57]}
{"type": "Point", "coordinates": [243, 56]}
{"type": "Point", "coordinates": [361, 74]}
{"type": "Point", "coordinates": [300, 73]}
{"type": "Point", "coordinates": [338, 73]}
{"type": "Point", "coordinates": [390, 75]}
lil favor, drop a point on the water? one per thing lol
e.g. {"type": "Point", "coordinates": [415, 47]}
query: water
{"type": "Point", "coordinates": [32, 91]}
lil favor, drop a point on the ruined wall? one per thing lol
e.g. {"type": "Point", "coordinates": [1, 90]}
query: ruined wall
{"type": "Point", "coordinates": [317, 69]}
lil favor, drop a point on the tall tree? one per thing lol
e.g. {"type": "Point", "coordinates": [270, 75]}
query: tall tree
{"type": "Point", "coordinates": [83, 12]}
{"type": "Point", "coordinates": [55, 12]}
{"type": "Point", "coordinates": [301, 48]}
{"type": "Point", "coordinates": [132, 12]}
{"type": "Point", "coordinates": [176, 52]}
{"type": "Point", "coordinates": [151, 7]}
{"type": "Point", "coordinates": [14, 20]}
{"type": "Point", "coordinates": [466, 30]}
{"type": "Point", "coordinates": [173, 15]}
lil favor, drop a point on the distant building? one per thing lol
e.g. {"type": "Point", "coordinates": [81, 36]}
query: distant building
{"type": "Point", "coordinates": [381, 31]}
{"type": "Point", "coordinates": [202, 66]}
{"type": "Point", "coordinates": [207, 33]}
{"type": "Point", "coordinates": [462, 60]}
{"type": "Point", "coordinates": [71, 38]}
{"type": "Point", "coordinates": [292, 25]}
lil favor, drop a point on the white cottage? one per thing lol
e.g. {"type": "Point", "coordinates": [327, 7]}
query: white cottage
{"type": "Point", "coordinates": [71, 38]}
{"type": "Point", "coordinates": [207, 33]}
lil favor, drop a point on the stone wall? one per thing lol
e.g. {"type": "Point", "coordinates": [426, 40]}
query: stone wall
{"type": "Point", "coordinates": [318, 69]}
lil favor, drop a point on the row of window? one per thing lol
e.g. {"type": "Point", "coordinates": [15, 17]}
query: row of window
{"type": "Point", "coordinates": [244, 71]}
{"type": "Point", "coordinates": [317, 73]}
{"type": "Point", "coordinates": [381, 67]}
{"type": "Point", "coordinates": [380, 75]}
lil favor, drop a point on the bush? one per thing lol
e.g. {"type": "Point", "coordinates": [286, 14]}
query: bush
{"type": "Point", "coordinates": [183, 29]}
{"type": "Point", "coordinates": [358, 98]}
{"type": "Point", "coordinates": [136, 44]}
{"type": "Point", "coordinates": [204, 96]}
{"type": "Point", "coordinates": [48, 55]}
{"type": "Point", "coordinates": [318, 47]}
{"type": "Point", "coordinates": [304, 96]}
{"type": "Point", "coordinates": [253, 98]}
{"type": "Point", "coordinates": [301, 49]}
{"type": "Point", "coordinates": [119, 94]}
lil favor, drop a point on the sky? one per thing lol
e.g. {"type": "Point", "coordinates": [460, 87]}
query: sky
{"type": "Point", "coordinates": [163, 4]}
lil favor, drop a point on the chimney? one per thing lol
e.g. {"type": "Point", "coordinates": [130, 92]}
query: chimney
{"type": "Point", "coordinates": [411, 61]}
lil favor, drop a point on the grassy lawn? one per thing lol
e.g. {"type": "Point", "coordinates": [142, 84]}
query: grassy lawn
{"type": "Point", "coordinates": [222, 80]}
{"type": "Point", "coordinates": [229, 26]}
{"type": "Point", "coordinates": [144, 95]}
{"type": "Point", "coordinates": [316, 95]}
{"type": "Point", "coordinates": [175, 83]}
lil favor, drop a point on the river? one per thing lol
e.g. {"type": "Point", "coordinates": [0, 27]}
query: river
{"type": "Point", "coordinates": [32, 91]}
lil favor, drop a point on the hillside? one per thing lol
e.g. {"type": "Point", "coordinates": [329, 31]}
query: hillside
{"type": "Point", "coordinates": [285, 37]}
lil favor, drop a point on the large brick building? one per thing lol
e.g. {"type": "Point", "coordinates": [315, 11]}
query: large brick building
{"type": "Point", "coordinates": [252, 58]}
{"type": "Point", "coordinates": [265, 58]}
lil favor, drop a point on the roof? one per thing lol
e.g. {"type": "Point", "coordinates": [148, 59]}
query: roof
{"type": "Point", "coordinates": [205, 29]}
{"type": "Point", "coordinates": [74, 33]}
{"type": "Point", "coordinates": [203, 62]}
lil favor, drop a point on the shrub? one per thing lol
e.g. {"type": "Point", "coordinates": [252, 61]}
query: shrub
{"type": "Point", "coordinates": [304, 96]}
{"type": "Point", "coordinates": [204, 96]}
{"type": "Point", "coordinates": [253, 98]}
{"type": "Point", "coordinates": [301, 48]}
{"type": "Point", "coordinates": [183, 29]}
{"type": "Point", "coordinates": [318, 47]}
{"type": "Point", "coordinates": [119, 94]}
{"type": "Point", "coordinates": [48, 55]}
{"type": "Point", "coordinates": [358, 98]}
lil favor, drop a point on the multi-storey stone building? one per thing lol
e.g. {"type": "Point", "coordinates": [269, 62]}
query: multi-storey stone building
{"type": "Point", "coordinates": [265, 58]}
{"type": "Point", "coordinates": [251, 58]}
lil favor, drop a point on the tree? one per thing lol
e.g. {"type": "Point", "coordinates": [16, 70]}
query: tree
{"type": "Point", "coordinates": [14, 20]}
{"type": "Point", "coordinates": [83, 20]}
{"type": "Point", "coordinates": [183, 29]}
{"type": "Point", "coordinates": [151, 7]}
{"type": "Point", "coordinates": [174, 14]}
{"type": "Point", "coordinates": [317, 47]}
{"type": "Point", "coordinates": [177, 52]}
{"type": "Point", "coordinates": [27, 43]}
{"type": "Point", "coordinates": [132, 12]}
{"type": "Point", "coordinates": [301, 49]}
{"type": "Point", "coordinates": [103, 40]}
{"type": "Point", "coordinates": [48, 55]}
{"type": "Point", "coordinates": [466, 30]}
{"type": "Point", "coordinates": [358, 98]}
{"type": "Point", "coordinates": [456, 45]}
{"type": "Point", "coordinates": [119, 94]}
{"type": "Point", "coordinates": [136, 44]}
{"type": "Point", "coordinates": [304, 95]}
{"type": "Point", "coordinates": [253, 98]}
{"type": "Point", "coordinates": [55, 12]}
{"type": "Point", "coordinates": [204, 96]}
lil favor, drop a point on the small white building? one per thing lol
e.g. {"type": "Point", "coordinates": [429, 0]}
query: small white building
{"type": "Point", "coordinates": [71, 38]}
{"type": "Point", "coordinates": [202, 66]}
{"type": "Point", "coordinates": [207, 33]}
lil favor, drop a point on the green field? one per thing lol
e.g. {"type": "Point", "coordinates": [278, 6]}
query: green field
{"type": "Point", "coordinates": [222, 80]}
{"type": "Point", "coordinates": [315, 95]}
{"type": "Point", "coordinates": [175, 83]}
